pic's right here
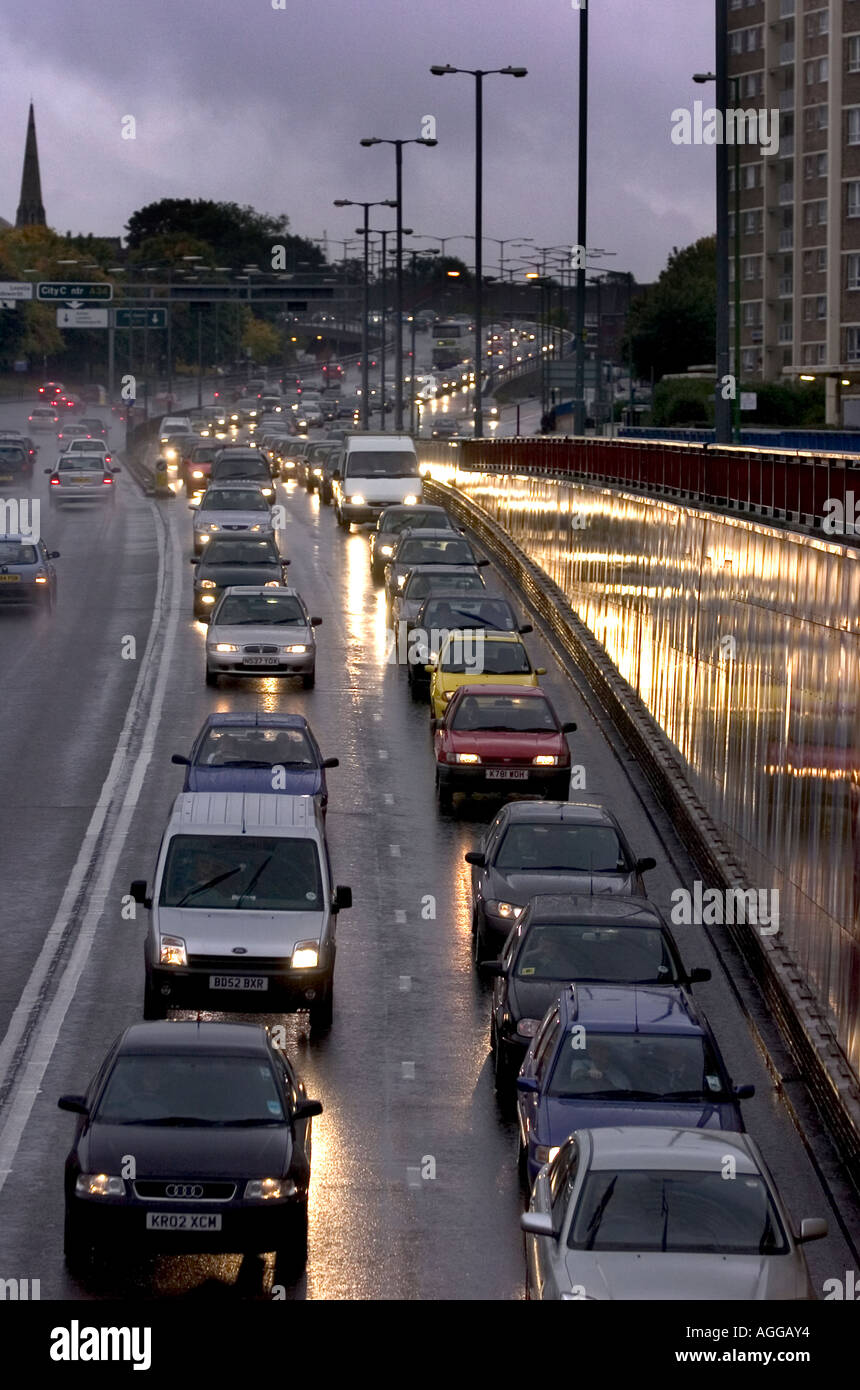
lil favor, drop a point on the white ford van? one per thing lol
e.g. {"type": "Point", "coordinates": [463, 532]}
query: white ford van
{"type": "Point", "coordinates": [243, 908]}
{"type": "Point", "coordinates": [371, 472]}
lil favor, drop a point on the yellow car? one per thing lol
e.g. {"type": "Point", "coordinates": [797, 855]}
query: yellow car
{"type": "Point", "coordinates": [478, 657]}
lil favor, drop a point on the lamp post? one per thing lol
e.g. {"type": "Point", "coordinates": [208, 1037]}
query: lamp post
{"type": "Point", "coordinates": [442, 70]}
{"type": "Point", "coordinates": [398, 293]}
{"type": "Point", "coordinates": [581, 224]}
{"type": "Point", "coordinates": [415, 253]}
{"type": "Point", "coordinates": [364, 232]}
{"type": "Point", "coordinates": [733, 83]}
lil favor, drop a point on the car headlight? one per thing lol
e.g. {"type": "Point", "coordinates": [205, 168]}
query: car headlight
{"type": "Point", "coordinates": [467, 757]}
{"type": "Point", "coordinates": [386, 550]}
{"type": "Point", "coordinates": [401, 580]}
{"type": "Point", "coordinates": [208, 584]}
{"type": "Point", "coordinates": [225, 647]}
{"type": "Point", "coordinates": [317, 472]}
{"type": "Point", "coordinates": [198, 473]}
{"type": "Point", "coordinates": [446, 694]}
{"type": "Point", "coordinates": [545, 760]}
{"type": "Point", "coordinates": [410, 500]}
{"type": "Point", "coordinates": [203, 538]}
{"type": "Point", "coordinates": [170, 453]}
{"type": "Point", "coordinates": [527, 1027]}
{"type": "Point", "coordinates": [306, 955]}
{"type": "Point", "coordinates": [503, 909]}
{"type": "Point", "coordinates": [272, 584]}
{"type": "Point", "coordinates": [172, 951]}
{"type": "Point", "coordinates": [208, 598]}
{"type": "Point", "coordinates": [258, 527]}
{"type": "Point", "coordinates": [544, 1154]}
{"type": "Point", "coordinates": [266, 491]}
{"type": "Point", "coordinates": [269, 1189]}
{"type": "Point", "coordinates": [99, 1185]}
{"type": "Point", "coordinates": [297, 649]}
{"type": "Point", "coordinates": [214, 526]}
{"type": "Point", "coordinates": [357, 500]}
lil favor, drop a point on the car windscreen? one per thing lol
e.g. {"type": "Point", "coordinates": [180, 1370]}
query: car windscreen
{"type": "Point", "coordinates": [209, 1090]}
{"type": "Point", "coordinates": [497, 658]}
{"type": "Point", "coordinates": [11, 553]}
{"type": "Point", "coordinates": [583, 951]}
{"type": "Point", "coordinates": [443, 612]}
{"type": "Point", "coordinates": [567, 848]}
{"type": "Point", "coordinates": [81, 463]}
{"type": "Point", "coordinates": [420, 585]}
{"type": "Point", "coordinates": [644, 1066]}
{"type": "Point", "coordinates": [240, 468]}
{"type": "Point", "coordinates": [204, 453]}
{"type": "Point", "coordinates": [379, 463]}
{"type": "Point", "coordinates": [11, 453]}
{"type": "Point", "coordinates": [648, 1210]}
{"type": "Point", "coordinates": [495, 712]}
{"type": "Point", "coordinates": [318, 453]}
{"type": "Point", "coordinates": [241, 552]}
{"type": "Point", "coordinates": [234, 500]}
{"type": "Point", "coordinates": [414, 551]}
{"type": "Point", "coordinates": [245, 610]}
{"type": "Point", "coordinates": [414, 518]}
{"type": "Point", "coordinates": [256, 747]}
{"type": "Point", "coordinates": [248, 872]}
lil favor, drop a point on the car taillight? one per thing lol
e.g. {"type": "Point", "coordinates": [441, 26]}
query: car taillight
{"type": "Point", "coordinates": [55, 482]}
{"type": "Point", "coordinates": [107, 480]}
{"type": "Point", "coordinates": [107, 458]}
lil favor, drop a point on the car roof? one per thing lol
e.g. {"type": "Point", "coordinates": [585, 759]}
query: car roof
{"type": "Point", "coordinates": [215, 1038]}
{"type": "Point", "coordinates": [18, 538]}
{"type": "Point", "coordinates": [553, 812]}
{"type": "Point", "coordinates": [400, 507]}
{"type": "Point", "coordinates": [652, 1009]}
{"type": "Point", "coordinates": [429, 533]}
{"type": "Point", "coordinates": [491, 636]}
{"type": "Point", "coordinates": [242, 812]}
{"type": "Point", "coordinates": [236, 484]}
{"type": "Point", "coordinates": [256, 719]}
{"type": "Point", "coordinates": [563, 909]}
{"type": "Point", "coordinates": [507, 692]}
{"type": "Point", "coordinates": [279, 590]}
{"type": "Point", "coordinates": [650, 1146]}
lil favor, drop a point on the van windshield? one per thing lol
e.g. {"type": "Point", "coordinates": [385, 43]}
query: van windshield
{"type": "Point", "coordinates": [387, 463]}
{"type": "Point", "coordinates": [242, 871]}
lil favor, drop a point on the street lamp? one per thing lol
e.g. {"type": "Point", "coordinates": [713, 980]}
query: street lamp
{"type": "Point", "coordinates": [385, 233]}
{"type": "Point", "coordinates": [722, 410]}
{"type": "Point", "coordinates": [415, 253]}
{"type": "Point", "coordinates": [734, 83]}
{"type": "Point", "coordinates": [364, 232]}
{"type": "Point", "coordinates": [398, 295]}
{"type": "Point", "coordinates": [442, 70]}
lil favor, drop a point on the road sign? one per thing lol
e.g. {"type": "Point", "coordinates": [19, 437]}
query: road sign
{"type": "Point", "coordinates": [140, 318]}
{"type": "Point", "coordinates": [15, 289]}
{"type": "Point", "coordinates": [82, 318]}
{"type": "Point", "coordinates": [70, 290]}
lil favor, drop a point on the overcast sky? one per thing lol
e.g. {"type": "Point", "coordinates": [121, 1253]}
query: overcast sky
{"type": "Point", "coordinates": [236, 100]}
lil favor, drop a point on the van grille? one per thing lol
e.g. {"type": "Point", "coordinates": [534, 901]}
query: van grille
{"type": "Point", "coordinates": [239, 965]}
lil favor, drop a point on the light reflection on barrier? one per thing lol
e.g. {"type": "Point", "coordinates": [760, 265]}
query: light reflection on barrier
{"type": "Point", "coordinates": [744, 644]}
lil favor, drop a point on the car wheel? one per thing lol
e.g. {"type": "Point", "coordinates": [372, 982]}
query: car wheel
{"type": "Point", "coordinates": [342, 521]}
{"type": "Point", "coordinates": [77, 1251]}
{"type": "Point", "coordinates": [309, 680]}
{"type": "Point", "coordinates": [523, 1167]}
{"type": "Point", "coordinates": [504, 1075]}
{"type": "Point", "coordinates": [322, 1014]}
{"type": "Point", "coordinates": [445, 797]}
{"type": "Point", "coordinates": [292, 1256]}
{"type": "Point", "coordinates": [154, 1005]}
{"type": "Point", "coordinates": [211, 676]}
{"type": "Point", "coordinates": [309, 487]}
{"type": "Point", "coordinates": [479, 949]}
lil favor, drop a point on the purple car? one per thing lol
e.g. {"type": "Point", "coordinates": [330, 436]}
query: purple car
{"type": "Point", "coordinates": [257, 753]}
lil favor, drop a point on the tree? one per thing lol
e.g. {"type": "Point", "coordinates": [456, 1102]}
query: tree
{"type": "Point", "coordinates": [673, 325]}
{"type": "Point", "coordinates": [263, 340]}
{"type": "Point", "coordinates": [234, 235]}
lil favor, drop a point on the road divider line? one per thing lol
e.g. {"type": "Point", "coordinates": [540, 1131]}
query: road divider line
{"type": "Point", "coordinates": [94, 869]}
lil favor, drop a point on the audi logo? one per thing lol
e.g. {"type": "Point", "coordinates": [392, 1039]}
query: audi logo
{"type": "Point", "coordinates": [240, 951]}
{"type": "Point", "coordinates": [183, 1189]}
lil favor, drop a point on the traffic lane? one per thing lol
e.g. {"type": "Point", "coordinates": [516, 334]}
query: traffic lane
{"type": "Point", "coordinates": [366, 1154]}
{"type": "Point", "coordinates": [66, 688]}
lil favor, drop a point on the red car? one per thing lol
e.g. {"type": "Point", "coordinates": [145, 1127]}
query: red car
{"type": "Point", "coordinates": [501, 739]}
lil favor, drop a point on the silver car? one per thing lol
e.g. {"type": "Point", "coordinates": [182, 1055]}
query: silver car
{"type": "Point", "coordinates": [230, 509]}
{"type": "Point", "coordinates": [81, 478]}
{"type": "Point", "coordinates": [261, 630]}
{"type": "Point", "coordinates": [647, 1213]}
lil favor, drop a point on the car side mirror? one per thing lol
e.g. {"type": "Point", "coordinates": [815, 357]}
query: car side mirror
{"type": "Point", "coordinates": [49, 470]}
{"type": "Point", "coordinates": [527, 1083]}
{"type": "Point", "coordinates": [316, 622]}
{"type": "Point", "coordinates": [307, 1109]}
{"type": "Point", "coordinates": [180, 760]}
{"type": "Point", "coordinates": [479, 564]}
{"type": "Point", "coordinates": [537, 1223]}
{"type": "Point", "coordinates": [540, 670]}
{"type": "Point", "coordinates": [430, 668]}
{"type": "Point", "coordinates": [569, 727]}
{"type": "Point", "coordinates": [194, 560]}
{"type": "Point", "coordinates": [526, 628]}
{"type": "Point", "coordinates": [116, 470]}
{"type": "Point", "coordinates": [342, 898]}
{"type": "Point", "coordinates": [284, 563]}
{"type": "Point", "coordinates": [812, 1228]}
{"type": "Point", "coordinates": [698, 975]}
{"type": "Point", "coordinates": [77, 1104]}
{"type": "Point", "coordinates": [643, 865]}
{"type": "Point", "coordinates": [476, 857]}
{"type": "Point", "coordinates": [331, 762]}
{"type": "Point", "coordinates": [138, 892]}
{"type": "Point", "coordinates": [745, 1092]}
{"type": "Point", "coordinates": [53, 554]}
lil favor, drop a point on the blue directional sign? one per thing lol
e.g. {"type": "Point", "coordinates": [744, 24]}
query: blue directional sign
{"type": "Point", "coordinates": [140, 318]}
{"type": "Point", "coordinates": [68, 290]}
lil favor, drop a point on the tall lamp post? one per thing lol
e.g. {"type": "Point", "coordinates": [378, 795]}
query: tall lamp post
{"type": "Point", "coordinates": [733, 84]}
{"type": "Point", "coordinates": [442, 70]}
{"type": "Point", "coordinates": [398, 293]}
{"type": "Point", "coordinates": [415, 253]}
{"type": "Point", "coordinates": [364, 232]}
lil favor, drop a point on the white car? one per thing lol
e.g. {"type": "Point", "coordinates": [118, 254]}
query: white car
{"type": "Point", "coordinates": [44, 417]}
{"type": "Point", "coordinates": [261, 630]}
{"type": "Point", "coordinates": [231, 509]}
{"type": "Point", "coordinates": [87, 446]}
{"type": "Point", "coordinates": [81, 478]}
{"type": "Point", "coordinates": [175, 424]}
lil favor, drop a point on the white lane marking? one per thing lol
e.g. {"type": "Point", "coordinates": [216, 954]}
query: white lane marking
{"type": "Point", "coordinates": [388, 798]}
{"type": "Point", "coordinates": [395, 851]}
{"type": "Point", "coordinates": [47, 1031]}
{"type": "Point", "coordinates": [400, 916]}
{"type": "Point", "coordinates": [408, 1071]}
{"type": "Point", "coordinates": [405, 982]}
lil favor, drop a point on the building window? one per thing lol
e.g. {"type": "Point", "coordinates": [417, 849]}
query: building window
{"type": "Point", "coordinates": [736, 41]}
{"type": "Point", "coordinates": [853, 189]}
{"type": "Point", "coordinates": [816, 24]}
{"type": "Point", "coordinates": [816, 70]}
{"type": "Point", "coordinates": [821, 258]}
{"type": "Point", "coordinates": [852, 345]}
{"type": "Point", "coordinates": [854, 125]}
{"type": "Point", "coordinates": [753, 38]}
{"type": "Point", "coordinates": [815, 214]}
{"type": "Point", "coordinates": [752, 267]}
{"type": "Point", "coordinates": [807, 309]}
{"type": "Point", "coordinates": [821, 306]}
{"type": "Point", "coordinates": [752, 314]}
{"type": "Point", "coordinates": [749, 175]}
{"type": "Point", "coordinates": [815, 165]}
{"type": "Point", "coordinates": [752, 223]}
{"type": "Point", "coordinates": [852, 271]}
{"type": "Point", "coordinates": [853, 53]}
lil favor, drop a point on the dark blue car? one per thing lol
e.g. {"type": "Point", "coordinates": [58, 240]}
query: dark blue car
{"type": "Point", "coordinates": [620, 1055]}
{"type": "Point", "coordinates": [257, 753]}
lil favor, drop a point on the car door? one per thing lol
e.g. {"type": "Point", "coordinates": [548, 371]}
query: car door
{"type": "Point", "coordinates": [500, 984]}
{"type": "Point", "coordinates": [492, 840]}
{"type": "Point", "coordinates": [552, 1194]}
{"type": "Point", "coordinates": [538, 1058]}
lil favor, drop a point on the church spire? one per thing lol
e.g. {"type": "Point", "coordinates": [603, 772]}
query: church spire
{"type": "Point", "coordinates": [31, 212]}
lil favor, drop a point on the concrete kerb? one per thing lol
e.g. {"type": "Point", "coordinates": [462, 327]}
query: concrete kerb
{"type": "Point", "coordinates": [801, 1022]}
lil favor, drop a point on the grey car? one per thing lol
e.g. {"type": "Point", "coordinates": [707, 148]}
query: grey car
{"type": "Point", "coordinates": [231, 509]}
{"type": "Point", "coordinates": [261, 630]}
{"type": "Point", "coordinates": [652, 1213]}
{"type": "Point", "coordinates": [398, 518]}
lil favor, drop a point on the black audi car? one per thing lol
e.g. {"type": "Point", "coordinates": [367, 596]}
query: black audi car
{"type": "Point", "coordinates": [231, 560]}
{"type": "Point", "coordinates": [192, 1137]}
